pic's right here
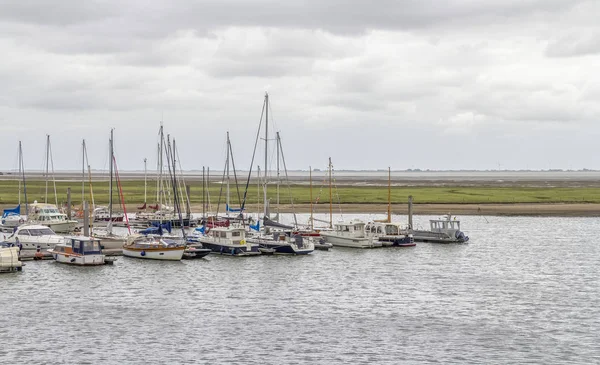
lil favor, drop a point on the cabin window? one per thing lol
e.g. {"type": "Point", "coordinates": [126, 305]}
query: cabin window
{"type": "Point", "coordinates": [236, 233]}
{"type": "Point", "coordinates": [391, 230]}
{"type": "Point", "coordinates": [379, 230]}
{"type": "Point", "coordinates": [24, 232]}
{"type": "Point", "coordinates": [345, 228]}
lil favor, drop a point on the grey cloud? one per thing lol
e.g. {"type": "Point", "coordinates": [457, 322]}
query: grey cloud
{"type": "Point", "coordinates": [575, 45]}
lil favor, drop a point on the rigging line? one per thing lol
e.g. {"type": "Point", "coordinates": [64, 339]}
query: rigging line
{"type": "Point", "coordinates": [53, 177]}
{"type": "Point", "coordinates": [287, 180]}
{"type": "Point", "coordinates": [237, 187]}
{"type": "Point", "coordinates": [253, 155]}
{"type": "Point", "coordinates": [170, 154]}
{"type": "Point", "coordinates": [121, 193]}
{"type": "Point", "coordinates": [221, 189]}
{"type": "Point", "coordinates": [189, 205]}
{"type": "Point", "coordinates": [337, 193]}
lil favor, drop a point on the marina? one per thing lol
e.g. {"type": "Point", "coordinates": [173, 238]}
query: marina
{"type": "Point", "coordinates": [494, 279]}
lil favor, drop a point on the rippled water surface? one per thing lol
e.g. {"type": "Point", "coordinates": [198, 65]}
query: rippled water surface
{"type": "Point", "coordinates": [524, 290]}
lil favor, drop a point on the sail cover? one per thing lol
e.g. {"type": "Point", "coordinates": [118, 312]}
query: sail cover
{"type": "Point", "coordinates": [267, 222]}
{"type": "Point", "coordinates": [229, 209]}
{"type": "Point", "coordinates": [14, 211]}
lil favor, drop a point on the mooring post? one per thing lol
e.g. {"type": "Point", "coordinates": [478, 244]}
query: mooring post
{"type": "Point", "coordinates": [188, 210]}
{"type": "Point", "coordinates": [86, 219]}
{"type": "Point", "coordinates": [410, 212]}
{"type": "Point", "coordinates": [69, 203]}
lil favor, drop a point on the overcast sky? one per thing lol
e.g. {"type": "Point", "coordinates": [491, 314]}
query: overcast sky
{"type": "Point", "coordinates": [465, 84]}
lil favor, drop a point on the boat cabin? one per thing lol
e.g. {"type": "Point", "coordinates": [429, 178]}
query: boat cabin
{"type": "Point", "coordinates": [228, 235]}
{"type": "Point", "coordinates": [353, 229]}
{"type": "Point", "coordinates": [35, 231]}
{"type": "Point", "coordinates": [446, 224]}
{"type": "Point", "coordinates": [45, 213]}
{"type": "Point", "coordinates": [387, 229]}
{"type": "Point", "coordinates": [80, 246]}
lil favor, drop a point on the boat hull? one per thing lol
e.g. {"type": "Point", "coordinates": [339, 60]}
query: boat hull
{"type": "Point", "coordinates": [353, 242]}
{"type": "Point", "coordinates": [398, 241]}
{"type": "Point", "coordinates": [231, 250]}
{"type": "Point", "coordinates": [80, 260]}
{"type": "Point", "coordinates": [62, 227]}
{"type": "Point", "coordinates": [437, 237]}
{"type": "Point", "coordinates": [284, 248]}
{"type": "Point", "coordinates": [168, 254]}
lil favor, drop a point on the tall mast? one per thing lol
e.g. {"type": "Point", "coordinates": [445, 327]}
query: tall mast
{"type": "Point", "coordinates": [82, 172]}
{"type": "Point", "coordinates": [389, 212]}
{"type": "Point", "coordinates": [19, 173]}
{"type": "Point", "coordinates": [266, 149]}
{"type": "Point", "coordinates": [22, 168]}
{"type": "Point", "coordinates": [47, 159]}
{"type": "Point", "coordinates": [227, 168]}
{"type": "Point", "coordinates": [312, 226]}
{"type": "Point", "coordinates": [203, 194]}
{"type": "Point", "coordinates": [160, 164]}
{"type": "Point", "coordinates": [157, 169]}
{"type": "Point", "coordinates": [145, 182]}
{"type": "Point", "coordinates": [278, 175]}
{"type": "Point", "coordinates": [110, 182]}
{"type": "Point", "coordinates": [330, 197]}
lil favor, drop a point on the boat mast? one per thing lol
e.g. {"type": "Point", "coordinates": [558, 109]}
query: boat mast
{"type": "Point", "coordinates": [160, 164]}
{"type": "Point", "coordinates": [19, 173]}
{"type": "Point", "coordinates": [110, 181]}
{"type": "Point", "coordinates": [266, 150]}
{"type": "Point", "coordinates": [203, 194]}
{"type": "Point", "coordinates": [278, 174]}
{"type": "Point", "coordinates": [389, 212]}
{"type": "Point", "coordinates": [22, 167]}
{"type": "Point", "coordinates": [330, 197]}
{"type": "Point", "coordinates": [312, 225]}
{"type": "Point", "coordinates": [227, 169]}
{"type": "Point", "coordinates": [157, 174]}
{"type": "Point", "coordinates": [47, 159]}
{"type": "Point", "coordinates": [82, 173]}
{"type": "Point", "coordinates": [145, 183]}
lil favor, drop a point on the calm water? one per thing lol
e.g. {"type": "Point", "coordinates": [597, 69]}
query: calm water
{"type": "Point", "coordinates": [524, 290]}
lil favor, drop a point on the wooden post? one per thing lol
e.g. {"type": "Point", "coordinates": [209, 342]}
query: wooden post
{"type": "Point", "coordinates": [410, 212]}
{"type": "Point", "coordinates": [188, 210]}
{"type": "Point", "coordinates": [86, 219]}
{"type": "Point", "coordinates": [69, 203]}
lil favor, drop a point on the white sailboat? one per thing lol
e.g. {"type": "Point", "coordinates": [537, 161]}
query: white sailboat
{"type": "Point", "coordinates": [387, 232]}
{"type": "Point", "coordinates": [157, 247]}
{"type": "Point", "coordinates": [109, 239]}
{"type": "Point", "coordinates": [346, 233]}
{"type": "Point", "coordinates": [48, 214]}
{"type": "Point", "coordinates": [12, 217]}
{"type": "Point", "coordinates": [276, 237]}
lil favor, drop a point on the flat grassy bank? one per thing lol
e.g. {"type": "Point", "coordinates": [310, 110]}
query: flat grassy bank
{"type": "Point", "coordinates": [133, 192]}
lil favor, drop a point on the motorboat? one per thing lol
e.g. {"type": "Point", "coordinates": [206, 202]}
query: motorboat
{"type": "Point", "coordinates": [32, 237]}
{"type": "Point", "coordinates": [229, 241]}
{"type": "Point", "coordinates": [443, 230]}
{"type": "Point", "coordinates": [49, 216]}
{"type": "Point", "coordinates": [153, 247]}
{"type": "Point", "coordinates": [284, 243]}
{"type": "Point", "coordinates": [82, 251]}
{"type": "Point", "coordinates": [390, 234]}
{"type": "Point", "coordinates": [103, 214]}
{"type": "Point", "coordinates": [350, 234]}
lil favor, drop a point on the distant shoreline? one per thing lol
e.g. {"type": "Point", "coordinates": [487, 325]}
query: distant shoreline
{"type": "Point", "coordinates": [509, 209]}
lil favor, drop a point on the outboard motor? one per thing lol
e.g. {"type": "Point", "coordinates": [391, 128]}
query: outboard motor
{"type": "Point", "coordinates": [460, 236]}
